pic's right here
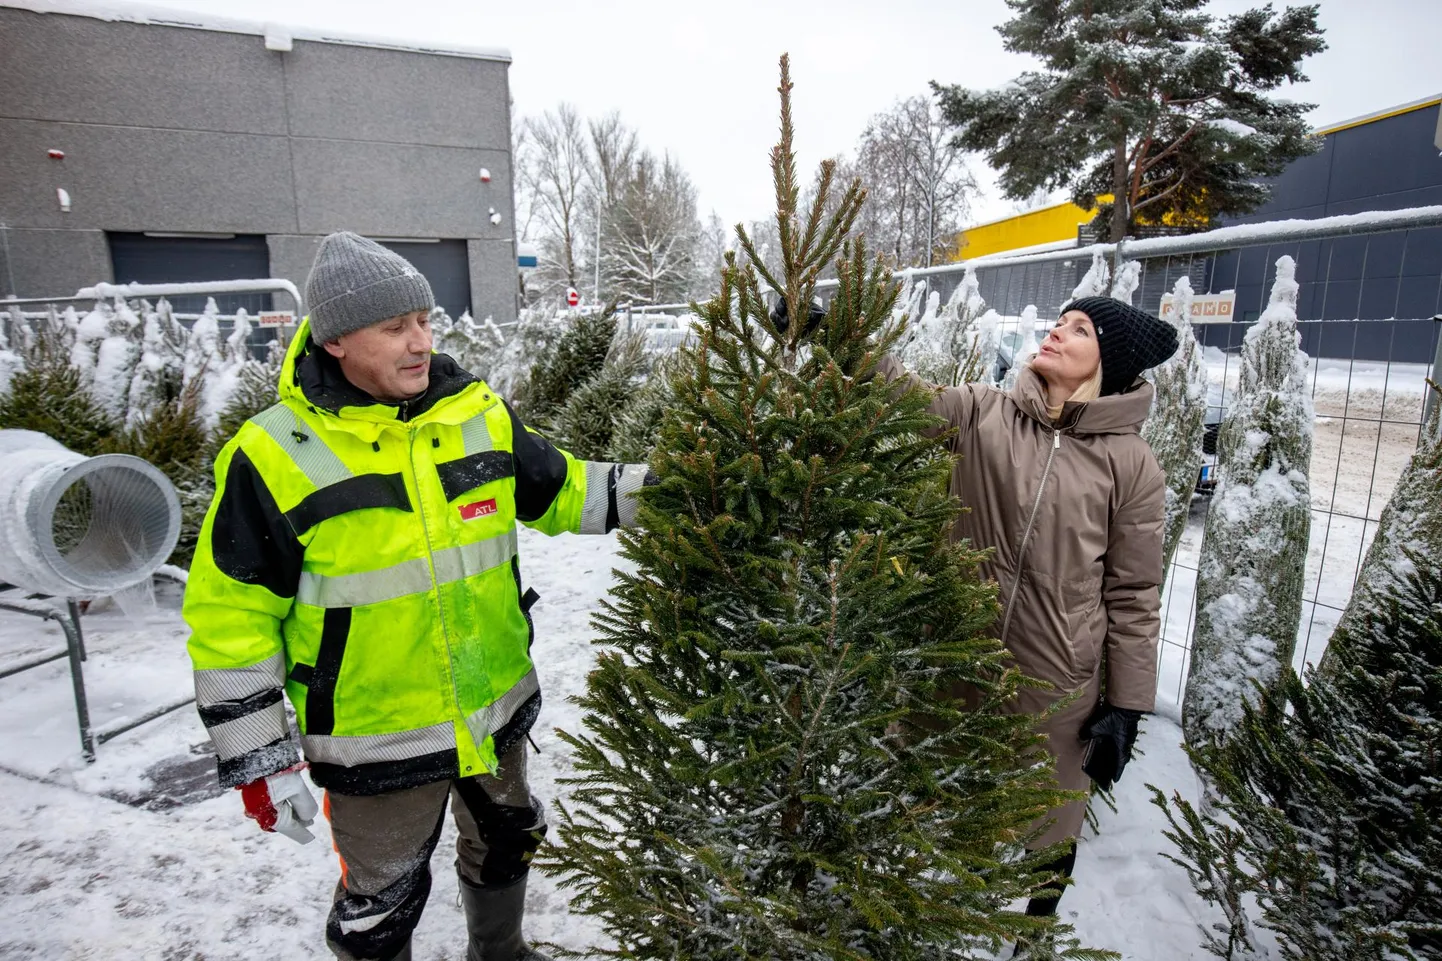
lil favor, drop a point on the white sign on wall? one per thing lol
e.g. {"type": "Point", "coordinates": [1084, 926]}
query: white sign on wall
{"type": "Point", "coordinates": [1206, 308]}
{"type": "Point", "coordinates": [277, 318]}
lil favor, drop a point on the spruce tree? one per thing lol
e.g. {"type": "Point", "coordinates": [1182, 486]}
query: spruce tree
{"type": "Point", "coordinates": [50, 395]}
{"type": "Point", "coordinates": [638, 426]}
{"type": "Point", "coordinates": [776, 763]}
{"type": "Point", "coordinates": [587, 423]}
{"type": "Point", "coordinates": [1155, 103]}
{"type": "Point", "coordinates": [1178, 419]}
{"type": "Point", "coordinates": [576, 358]}
{"type": "Point", "coordinates": [1254, 546]}
{"type": "Point", "coordinates": [1329, 811]}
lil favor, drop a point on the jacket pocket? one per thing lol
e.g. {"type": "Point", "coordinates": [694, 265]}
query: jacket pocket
{"type": "Point", "coordinates": [1086, 624]}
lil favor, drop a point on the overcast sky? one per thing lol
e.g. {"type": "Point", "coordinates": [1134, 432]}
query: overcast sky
{"type": "Point", "coordinates": [699, 80]}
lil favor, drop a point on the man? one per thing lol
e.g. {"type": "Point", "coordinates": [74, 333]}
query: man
{"type": "Point", "coordinates": [360, 554]}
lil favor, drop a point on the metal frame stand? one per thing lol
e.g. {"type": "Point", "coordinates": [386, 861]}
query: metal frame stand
{"type": "Point", "coordinates": [69, 620]}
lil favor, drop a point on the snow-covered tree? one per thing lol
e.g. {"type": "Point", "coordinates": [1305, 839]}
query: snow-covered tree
{"type": "Point", "coordinates": [1153, 103]}
{"type": "Point", "coordinates": [116, 360]}
{"type": "Point", "coordinates": [203, 351]}
{"type": "Point", "coordinates": [89, 333]}
{"type": "Point", "coordinates": [538, 329]}
{"type": "Point", "coordinates": [1254, 547]}
{"type": "Point", "coordinates": [552, 169]}
{"type": "Point", "coordinates": [917, 183]}
{"type": "Point", "coordinates": [11, 362]}
{"type": "Point", "coordinates": [1178, 419]}
{"type": "Point", "coordinates": [1094, 281]}
{"type": "Point", "coordinates": [160, 374]}
{"type": "Point", "coordinates": [1128, 278]}
{"type": "Point", "coordinates": [654, 235]}
{"type": "Point", "coordinates": [51, 395]}
{"type": "Point", "coordinates": [1410, 526]}
{"type": "Point", "coordinates": [473, 345]}
{"type": "Point", "coordinates": [946, 344]}
{"type": "Point", "coordinates": [1328, 801]}
{"type": "Point", "coordinates": [1026, 348]}
{"type": "Point", "coordinates": [638, 426]}
{"type": "Point", "coordinates": [775, 762]}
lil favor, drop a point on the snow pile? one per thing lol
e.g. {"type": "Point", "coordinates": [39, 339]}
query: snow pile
{"type": "Point", "coordinates": [1178, 418]}
{"type": "Point", "coordinates": [1250, 578]}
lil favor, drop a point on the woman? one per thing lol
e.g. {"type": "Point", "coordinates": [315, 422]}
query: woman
{"type": "Point", "coordinates": [1061, 484]}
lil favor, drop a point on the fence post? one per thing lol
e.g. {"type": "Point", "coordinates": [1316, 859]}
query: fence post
{"type": "Point", "coordinates": [1432, 396]}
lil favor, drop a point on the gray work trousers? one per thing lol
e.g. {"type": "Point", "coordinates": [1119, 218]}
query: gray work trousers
{"type": "Point", "coordinates": [385, 843]}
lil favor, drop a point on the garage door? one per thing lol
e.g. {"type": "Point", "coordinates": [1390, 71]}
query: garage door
{"type": "Point", "coordinates": [446, 266]}
{"type": "Point", "coordinates": [150, 259]}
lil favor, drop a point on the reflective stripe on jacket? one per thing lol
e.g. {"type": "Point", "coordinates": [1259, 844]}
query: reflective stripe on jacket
{"type": "Point", "coordinates": [362, 556]}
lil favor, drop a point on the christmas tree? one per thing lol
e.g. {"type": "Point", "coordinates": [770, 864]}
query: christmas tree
{"type": "Point", "coordinates": [638, 426]}
{"type": "Point", "coordinates": [50, 395]}
{"type": "Point", "coordinates": [577, 357]}
{"type": "Point", "coordinates": [1178, 419]}
{"type": "Point", "coordinates": [1329, 800]}
{"type": "Point", "coordinates": [1254, 547]}
{"type": "Point", "coordinates": [587, 423]}
{"type": "Point", "coordinates": [949, 344]}
{"type": "Point", "coordinates": [776, 762]}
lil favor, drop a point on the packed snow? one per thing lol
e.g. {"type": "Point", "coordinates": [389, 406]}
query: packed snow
{"type": "Point", "coordinates": [139, 856]}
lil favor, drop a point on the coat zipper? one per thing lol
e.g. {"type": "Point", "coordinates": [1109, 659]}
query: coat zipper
{"type": "Point", "coordinates": [435, 584]}
{"type": "Point", "coordinates": [1026, 537]}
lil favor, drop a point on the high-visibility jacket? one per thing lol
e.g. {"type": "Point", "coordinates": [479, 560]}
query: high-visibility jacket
{"type": "Point", "coordinates": [361, 556]}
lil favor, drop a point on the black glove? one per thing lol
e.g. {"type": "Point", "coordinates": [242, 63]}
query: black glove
{"type": "Point", "coordinates": [814, 316]}
{"type": "Point", "coordinates": [1110, 733]}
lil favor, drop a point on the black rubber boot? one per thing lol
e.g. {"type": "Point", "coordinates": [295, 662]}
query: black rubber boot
{"type": "Point", "coordinates": [1045, 905]}
{"type": "Point", "coordinates": [493, 922]}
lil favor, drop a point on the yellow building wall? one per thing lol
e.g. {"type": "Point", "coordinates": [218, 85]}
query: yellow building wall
{"type": "Point", "coordinates": [1044, 225]}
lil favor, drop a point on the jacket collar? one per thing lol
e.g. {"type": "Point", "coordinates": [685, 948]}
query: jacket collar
{"type": "Point", "coordinates": [1121, 413]}
{"type": "Point", "coordinates": [313, 378]}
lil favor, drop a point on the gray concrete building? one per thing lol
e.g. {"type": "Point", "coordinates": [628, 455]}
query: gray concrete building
{"type": "Point", "coordinates": [143, 145]}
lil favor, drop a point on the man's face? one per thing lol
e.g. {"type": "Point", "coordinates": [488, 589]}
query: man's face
{"type": "Point", "coordinates": [390, 360]}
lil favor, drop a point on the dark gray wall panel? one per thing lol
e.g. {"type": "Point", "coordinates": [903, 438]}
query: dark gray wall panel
{"type": "Point", "coordinates": [347, 93]}
{"type": "Point", "coordinates": [495, 281]}
{"type": "Point", "coordinates": [397, 190]}
{"type": "Point", "coordinates": [81, 69]}
{"type": "Point", "coordinates": [52, 263]}
{"type": "Point", "coordinates": [131, 178]}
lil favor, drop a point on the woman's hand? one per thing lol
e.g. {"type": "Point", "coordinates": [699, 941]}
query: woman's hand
{"type": "Point", "coordinates": [1112, 732]}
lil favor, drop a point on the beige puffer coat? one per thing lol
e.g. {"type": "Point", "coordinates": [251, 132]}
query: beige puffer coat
{"type": "Point", "coordinates": [1074, 513]}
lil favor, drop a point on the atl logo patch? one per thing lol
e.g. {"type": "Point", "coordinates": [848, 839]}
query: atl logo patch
{"type": "Point", "coordinates": [470, 512]}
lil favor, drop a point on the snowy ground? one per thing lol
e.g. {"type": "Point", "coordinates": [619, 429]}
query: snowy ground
{"type": "Point", "coordinates": [101, 862]}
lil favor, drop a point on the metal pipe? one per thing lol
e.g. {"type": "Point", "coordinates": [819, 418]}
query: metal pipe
{"type": "Point", "coordinates": [115, 730]}
{"type": "Point", "coordinates": [264, 286]}
{"type": "Point", "coordinates": [27, 665]}
{"type": "Point", "coordinates": [74, 651]}
{"type": "Point", "coordinates": [1430, 408]}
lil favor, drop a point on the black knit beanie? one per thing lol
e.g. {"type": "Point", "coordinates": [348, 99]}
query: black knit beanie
{"type": "Point", "coordinates": [1130, 339]}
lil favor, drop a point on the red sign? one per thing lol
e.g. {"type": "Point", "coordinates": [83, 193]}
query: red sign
{"type": "Point", "coordinates": [470, 512]}
{"type": "Point", "coordinates": [573, 299]}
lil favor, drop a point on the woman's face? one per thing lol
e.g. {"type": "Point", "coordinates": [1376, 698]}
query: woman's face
{"type": "Point", "coordinates": [1069, 355]}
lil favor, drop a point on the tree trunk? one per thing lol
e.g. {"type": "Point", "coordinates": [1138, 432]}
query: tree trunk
{"type": "Point", "coordinates": [1120, 192]}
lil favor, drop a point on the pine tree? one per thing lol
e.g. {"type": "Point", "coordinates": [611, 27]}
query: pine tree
{"type": "Point", "coordinates": [50, 396]}
{"type": "Point", "coordinates": [577, 357]}
{"type": "Point", "coordinates": [1330, 803]}
{"type": "Point", "coordinates": [1152, 102]}
{"type": "Point", "coordinates": [773, 764]}
{"type": "Point", "coordinates": [535, 335]}
{"type": "Point", "coordinates": [586, 425]}
{"type": "Point", "coordinates": [1178, 419]}
{"type": "Point", "coordinates": [1254, 547]}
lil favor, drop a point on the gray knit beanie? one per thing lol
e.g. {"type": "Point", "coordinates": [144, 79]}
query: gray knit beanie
{"type": "Point", "coordinates": [356, 282]}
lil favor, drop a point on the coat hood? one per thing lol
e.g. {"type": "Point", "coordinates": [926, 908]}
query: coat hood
{"type": "Point", "coordinates": [1121, 413]}
{"type": "Point", "coordinates": [312, 378]}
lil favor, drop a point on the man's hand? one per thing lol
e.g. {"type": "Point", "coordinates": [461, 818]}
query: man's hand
{"type": "Point", "coordinates": [281, 803]}
{"type": "Point", "coordinates": [1112, 732]}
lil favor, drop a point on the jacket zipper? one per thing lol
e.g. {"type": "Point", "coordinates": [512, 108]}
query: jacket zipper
{"type": "Point", "coordinates": [435, 584]}
{"type": "Point", "coordinates": [1026, 537]}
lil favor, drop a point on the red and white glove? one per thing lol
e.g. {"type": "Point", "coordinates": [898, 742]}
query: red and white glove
{"type": "Point", "coordinates": [281, 803]}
